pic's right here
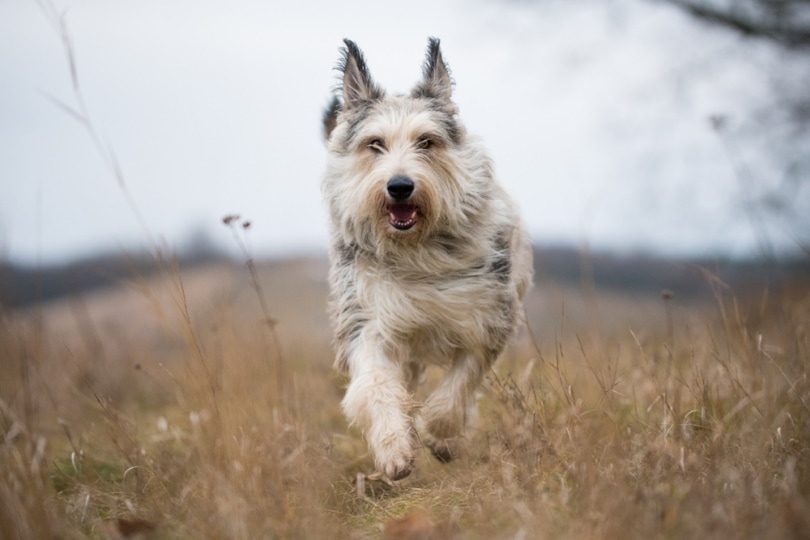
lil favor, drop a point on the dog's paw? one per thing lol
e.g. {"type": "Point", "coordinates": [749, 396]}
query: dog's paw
{"type": "Point", "coordinates": [445, 450]}
{"type": "Point", "coordinates": [394, 454]}
{"type": "Point", "coordinates": [397, 470]}
{"type": "Point", "coordinates": [441, 433]}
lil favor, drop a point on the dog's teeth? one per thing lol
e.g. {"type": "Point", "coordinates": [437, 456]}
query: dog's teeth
{"type": "Point", "coordinates": [401, 222]}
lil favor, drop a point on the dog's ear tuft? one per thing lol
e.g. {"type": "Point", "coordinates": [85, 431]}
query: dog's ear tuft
{"type": "Point", "coordinates": [437, 81]}
{"type": "Point", "coordinates": [357, 84]}
{"type": "Point", "coordinates": [330, 114]}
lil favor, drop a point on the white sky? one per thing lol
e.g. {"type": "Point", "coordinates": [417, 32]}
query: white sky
{"type": "Point", "coordinates": [595, 114]}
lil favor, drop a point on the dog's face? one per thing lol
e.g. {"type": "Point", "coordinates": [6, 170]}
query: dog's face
{"type": "Point", "coordinates": [394, 161]}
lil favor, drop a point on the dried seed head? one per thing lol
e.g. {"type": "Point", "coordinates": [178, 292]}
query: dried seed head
{"type": "Point", "coordinates": [718, 122]}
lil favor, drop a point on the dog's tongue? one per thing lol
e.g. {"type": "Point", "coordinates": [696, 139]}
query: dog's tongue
{"type": "Point", "coordinates": [402, 212]}
{"type": "Point", "coordinates": [402, 216]}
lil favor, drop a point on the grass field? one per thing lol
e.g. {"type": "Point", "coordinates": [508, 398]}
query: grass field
{"type": "Point", "coordinates": [171, 407]}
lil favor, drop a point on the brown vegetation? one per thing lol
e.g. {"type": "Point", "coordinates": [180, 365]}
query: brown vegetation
{"type": "Point", "coordinates": [161, 409]}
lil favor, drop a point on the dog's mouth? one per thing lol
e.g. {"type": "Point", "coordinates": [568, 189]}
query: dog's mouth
{"type": "Point", "coordinates": [402, 216]}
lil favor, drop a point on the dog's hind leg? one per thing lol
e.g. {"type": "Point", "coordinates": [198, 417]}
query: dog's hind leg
{"type": "Point", "coordinates": [378, 402]}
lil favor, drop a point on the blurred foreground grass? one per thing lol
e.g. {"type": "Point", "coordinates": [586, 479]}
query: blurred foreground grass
{"type": "Point", "coordinates": [165, 408]}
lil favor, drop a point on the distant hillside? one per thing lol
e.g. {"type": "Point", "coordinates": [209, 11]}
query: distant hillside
{"type": "Point", "coordinates": [22, 286]}
{"type": "Point", "coordinates": [651, 274]}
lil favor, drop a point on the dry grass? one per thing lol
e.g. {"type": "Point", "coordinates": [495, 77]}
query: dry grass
{"type": "Point", "coordinates": [173, 408]}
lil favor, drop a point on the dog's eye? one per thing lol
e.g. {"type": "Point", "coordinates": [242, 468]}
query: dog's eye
{"type": "Point", "coordinates": [424, 143]}
{"type": "Point", "coordinates": [376, 146]}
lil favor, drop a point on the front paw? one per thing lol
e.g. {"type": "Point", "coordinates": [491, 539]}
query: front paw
{"type": "Point", "coordinates": [398, 469]}
{"type": "Point", "coordinates": [444, 450]}
{"type": "Point", "coordinates": [394, 455]}
{"type": "Point", "coordinates": [441, 433]}
{"type": "Point", "coordinates": [395, 464]}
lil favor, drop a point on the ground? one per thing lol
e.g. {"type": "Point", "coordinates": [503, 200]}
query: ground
{"type": "Point", "coordinates": [199, 403]}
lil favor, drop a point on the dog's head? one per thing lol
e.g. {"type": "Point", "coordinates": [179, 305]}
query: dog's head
{"type": "Point", "coordinates": [397, 163]}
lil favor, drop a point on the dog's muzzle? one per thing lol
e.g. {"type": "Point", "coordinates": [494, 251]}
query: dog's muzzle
{"type": "Point", "coordinates": [402, 214]}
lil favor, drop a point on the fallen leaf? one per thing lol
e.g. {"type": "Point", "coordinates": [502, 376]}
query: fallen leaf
{"type": "Point", "coordinates": [132, 527]}
{"type": "Point", "coordinates": [415, 525]}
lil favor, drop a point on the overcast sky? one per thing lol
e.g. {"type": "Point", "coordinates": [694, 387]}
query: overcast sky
{"type": "Point", "coordinates": [596, 114]}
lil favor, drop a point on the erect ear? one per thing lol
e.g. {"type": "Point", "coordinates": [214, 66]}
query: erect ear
{"type": "Point", "coordinates": [357, 84]}
{"type": "Point", "coordinates": [436, 81]}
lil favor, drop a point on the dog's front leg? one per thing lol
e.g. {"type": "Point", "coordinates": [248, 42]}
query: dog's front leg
{"type": "Point", "coordinates": [447, 411]}
{"type": "Point", "coordinates": [377, 401]}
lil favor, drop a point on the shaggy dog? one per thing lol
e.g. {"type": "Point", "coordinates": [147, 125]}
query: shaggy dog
{"type": "Point", "coordinates": [429, 261]}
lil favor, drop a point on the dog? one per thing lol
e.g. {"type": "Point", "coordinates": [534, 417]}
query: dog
{"type": "Point", "coordinates": [429, 261]}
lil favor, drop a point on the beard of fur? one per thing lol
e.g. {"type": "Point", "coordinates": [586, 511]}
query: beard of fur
{"type": "Point", "coordinates": [364, 218]}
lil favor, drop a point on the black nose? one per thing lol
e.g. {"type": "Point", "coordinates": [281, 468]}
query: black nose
{"type": "Point", "coordinates": [400, 187]}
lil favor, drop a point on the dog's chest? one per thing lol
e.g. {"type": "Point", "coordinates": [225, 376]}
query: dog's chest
{"type": "Point", "coordinates": [435, 314]}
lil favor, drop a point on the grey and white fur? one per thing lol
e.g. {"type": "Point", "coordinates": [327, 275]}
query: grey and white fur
{"type": "Point", "coordinates": [429, 261]}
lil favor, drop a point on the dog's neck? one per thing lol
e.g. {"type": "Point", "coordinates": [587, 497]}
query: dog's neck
{"type": "Point", "coordinates": [433, 255]}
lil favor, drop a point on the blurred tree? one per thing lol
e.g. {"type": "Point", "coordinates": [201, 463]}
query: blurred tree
{"type": "Point", "coordinates": [783, 129]}
{"type": "Point", "coordinates": [786, 22]}
{"type": "Point", "coordinates": [767, 143]}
